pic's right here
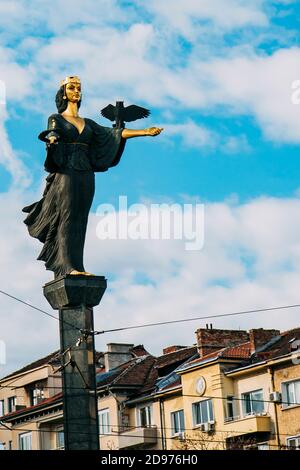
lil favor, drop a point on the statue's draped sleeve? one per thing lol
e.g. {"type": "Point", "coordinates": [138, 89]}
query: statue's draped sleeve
{"type": "Point", "coordinates": [106, 147]}
{"type": "Point", "coordinates": [55, 154]}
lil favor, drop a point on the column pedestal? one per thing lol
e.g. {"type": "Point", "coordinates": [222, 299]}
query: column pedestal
{"type": "Point", "coordinates": [75, 297]}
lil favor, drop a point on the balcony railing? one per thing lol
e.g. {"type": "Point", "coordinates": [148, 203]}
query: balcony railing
{"type": "Point", "coordinates": [251, 423]}
{"type": "Point", "coordinates": [138, 437]}
{"type": "Point", "coordinates": [229, 419]}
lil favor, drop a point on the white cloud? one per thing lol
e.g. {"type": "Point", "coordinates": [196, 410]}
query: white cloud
{"type": "Point", "coordinates": [121, 54]}
{"type": "Point", "coordinates": [196, 136]}
{"type": "Point", "coordinates": [9, 158]}
{"type": "Point", "coordinates": [192, 134]}
{"type": "Point", "coordinates": [17, 78]}
{"type": "Point", "coordinates": [33, 16]}
{"type": "Point", "coordinates": [241, 83]}
{"type": "Point", "coordinates": [261, 86]}
{"type": "Point", "coordinates": [250, 259]}
{"type": "Point", "coordinates": [184, 15]}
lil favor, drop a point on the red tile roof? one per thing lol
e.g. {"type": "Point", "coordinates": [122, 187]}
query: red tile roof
{"type": "Point", "coordinates": [174, 357]}
{"type": "Point", "coordinates": [242, 351]}
{"type": "Point", "coordinates": [42, 362]}
{"type": "Point", "coordinates": [139, 350]}
{"type": "Point", "coordinates": [281, 345]}
{"type": "Point", "coordinates": [47, 401]}
{"type": "Point", "coordinates": [33, 365]}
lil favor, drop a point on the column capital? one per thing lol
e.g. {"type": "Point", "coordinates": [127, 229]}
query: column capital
{"type": "Point", "coordinates": [74, 291]}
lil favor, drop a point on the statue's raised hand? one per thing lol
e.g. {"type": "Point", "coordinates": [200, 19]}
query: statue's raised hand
{"type": "Point", "coordinates": [152, 131]}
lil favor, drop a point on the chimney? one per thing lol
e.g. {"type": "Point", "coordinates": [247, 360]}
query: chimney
{"type": "Point", "coordinates": [210, 340]}
{"type": "Point", "coordinates": [260, 337]}
{"type": "Point", "coordinates": [171, 349]}
{"type": "Point", "coordinates": [116, 355]}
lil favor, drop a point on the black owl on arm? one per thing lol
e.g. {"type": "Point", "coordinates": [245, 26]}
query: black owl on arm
{"type": "Point", "coordinates": [120, 114]}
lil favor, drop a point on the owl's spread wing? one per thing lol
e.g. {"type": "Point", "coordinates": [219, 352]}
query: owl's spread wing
{"type": "Point", "coordinates": [133, 112]}
{"type": "Point", "coordinates": [109, 112]}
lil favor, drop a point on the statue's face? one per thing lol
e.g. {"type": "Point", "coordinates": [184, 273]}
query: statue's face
{"type": "Point", "coordinates": [73, 92]}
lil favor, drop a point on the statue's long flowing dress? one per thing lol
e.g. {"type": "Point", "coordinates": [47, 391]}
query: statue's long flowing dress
{"type": "Point", "coordinates": [59, 219]}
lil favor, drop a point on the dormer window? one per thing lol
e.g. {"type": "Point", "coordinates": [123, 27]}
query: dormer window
{"type": "Point", "coordinates": [36, 395]}
{"type": "Point", "coordinates": [12, 401]}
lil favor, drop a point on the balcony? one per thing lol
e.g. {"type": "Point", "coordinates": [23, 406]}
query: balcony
{"type": "Point", "coordinates": [254, 423]}
{"type": "Point", "coordinates": [138, 437]}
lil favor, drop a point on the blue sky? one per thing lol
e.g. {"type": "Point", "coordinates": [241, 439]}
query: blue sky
{"type": "Point", "coordinates": [218, 77]}
{"type": "Point", "coordinates": [255, 164]}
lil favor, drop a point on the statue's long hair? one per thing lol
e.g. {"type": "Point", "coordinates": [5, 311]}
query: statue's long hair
{"type": "Point", "coordinates": [62, 103]}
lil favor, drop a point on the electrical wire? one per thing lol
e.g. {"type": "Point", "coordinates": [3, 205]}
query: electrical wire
{"type": "Point", "coordinates": [207, 317]}
{"type": "Point", "coordinates": [206, 441]}
{"type": "Point", "coordinates": [212, 397]}
{"type": "Point", "coordinates": [196, 428]}
{"type": "Point", "coordinates": [39, 309]}
{"type": "Point", "coordinates": [197, 396]}
{"type": "Point", "coordinates": [145, 325]}
{"type": "Point", "coordinates": [158, 324]}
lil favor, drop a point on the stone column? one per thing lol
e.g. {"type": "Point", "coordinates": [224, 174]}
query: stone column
{"type": "Point", "coordinates": [75, 297]}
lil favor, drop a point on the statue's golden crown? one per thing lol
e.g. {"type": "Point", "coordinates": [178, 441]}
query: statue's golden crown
{"type": "Point", "coordinates": [72, 79]}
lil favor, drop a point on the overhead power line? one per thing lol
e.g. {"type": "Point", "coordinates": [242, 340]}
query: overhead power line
{"type": "Point", "coordinates": [197, 439]}
{"type": "Point", "coordinates": [146, 325]}
{"type": "Point", "coordinates": [38, 309]}
{"type": "Point", "coordinates": [208, 397]}
{"type": "Point", "coordinates": [207, 317]}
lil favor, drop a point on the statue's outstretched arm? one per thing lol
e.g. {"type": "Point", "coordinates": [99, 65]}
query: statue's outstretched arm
{"type": "Point", "coordinates": [151, 131]}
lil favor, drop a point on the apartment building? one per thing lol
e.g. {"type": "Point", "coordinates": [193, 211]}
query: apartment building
{"type": "Point", "coordinates": [233, 389]}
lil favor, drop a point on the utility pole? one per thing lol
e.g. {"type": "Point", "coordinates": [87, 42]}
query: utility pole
{"type": "Point", "coordinates": [75, 297]}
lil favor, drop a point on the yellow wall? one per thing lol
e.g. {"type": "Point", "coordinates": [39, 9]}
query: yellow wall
{"type": "Point", "coordinates": [288, 418]}
{"type": "Point", "coordinates": [171, 404]}
{"type": "Point", "coordinates": [218, 386]}
{"type": "Point", "coordinates": [109, 442]}
{"type": "Point", "coordinates": [155, 414]}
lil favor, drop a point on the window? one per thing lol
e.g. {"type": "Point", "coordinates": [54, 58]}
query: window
{"type": "Point", "coordinates": [2, 411]}
{"type": "Point", "coordinates": [203, 412]}
{"type": "Point", "coordinates": [104, 427]}
{"type": "Point", "coordinates": [12, 401]}
{"type": "Point", "coordinates": [25, 441]}
{"type": "Point", "coordinates": [263, 446]}
{"type": "Point", "coordinates": [252, 402]}
{"type": "Point", "coordinates": [144, 416]}
{"type": "Point", "coordinates": [291, 393]}
{"type": "Point", "coordinates": [257, 446]}
{"type": "Point", "coordinates": [177, 420]}
{"type": "Point", "coordinates": [293, 442]}
{"type": "Point", "coordinates": [60, 439]}
{"type": "Point", "coordinates": [36, 395]}
{"type": "Point", "coordinates": [230, 408]}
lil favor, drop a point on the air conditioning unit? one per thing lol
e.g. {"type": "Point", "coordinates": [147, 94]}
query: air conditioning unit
{"type": "Point", "coordinates": [275, 397]}
{"type": "Point", "coordinates": [262, 413]}
{"type": "Point", "coordinates": [207, 427]}
{"type": "Point", "coordinates": [211, 426]}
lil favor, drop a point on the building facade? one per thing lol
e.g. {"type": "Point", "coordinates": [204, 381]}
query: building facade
{"type": "Point", "coordinates": [233, 389]}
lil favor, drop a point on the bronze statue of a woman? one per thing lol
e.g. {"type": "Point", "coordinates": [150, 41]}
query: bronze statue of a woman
{"type": "Point", "coordinates": [76, 148]}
